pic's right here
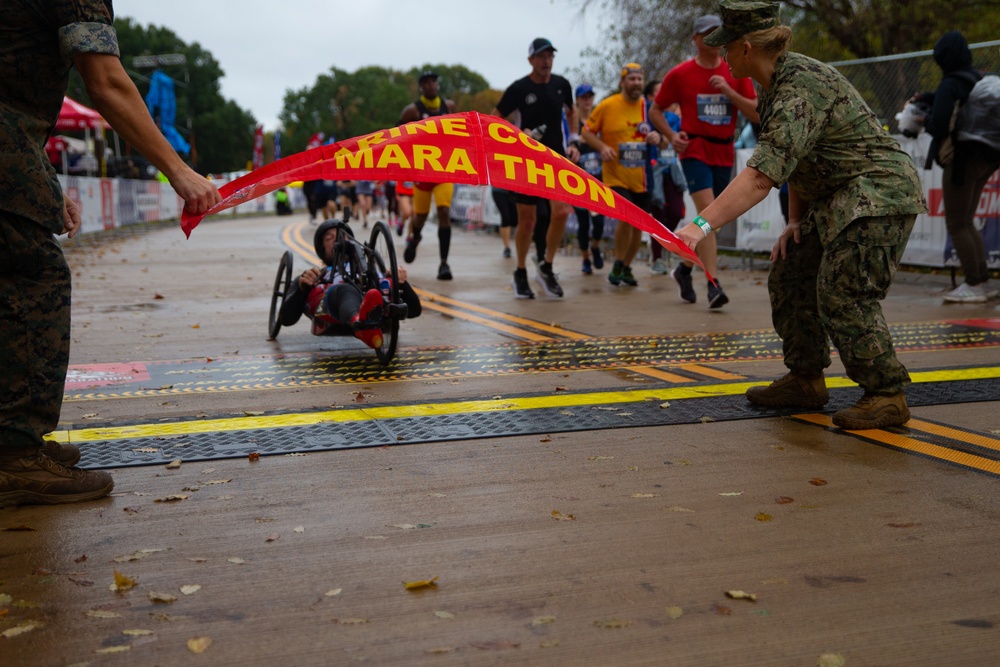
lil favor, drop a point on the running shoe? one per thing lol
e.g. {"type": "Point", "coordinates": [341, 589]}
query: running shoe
{"type": "Point", "coordinates": [598, 258]}
{"type": "Point", "coordinates": [615, 275]}
{"type": "Point", "coordinates": [520, 285]}
{"type": "Point", "coordinates": [966, 293]}
{"type": "Point", "coordinates": [547, 279]}
{"type": "Point", "coordinates": [659, 267]}
{"type": "Point", "coordinates": [506, 253]}
{"type": "Point", "coordinates": [410, 253]}
{"type": "Point", "coordinates": [444, 273]}
{"type": "Point", "coordinates": [586, 268]}
{"type": "Point", "coordinates": [716, 297]}
{"type": "Point", "coordinates": [682, 274]}
{"type": "Point", "coordinates": [628, 278]}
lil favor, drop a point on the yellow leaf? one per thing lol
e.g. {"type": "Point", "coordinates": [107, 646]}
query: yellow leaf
{"type": "Point", "coordinates": [174, 465]}
{"type": "Point", "coordinates": [644, 495]}
{"type": "Point", "coordinates": [543, 620]}
{"type": "Point", "coordinates": [740, 595]}
{"type": "Point", "coordinates": [763, 516]}
{"type": "Point", "coordinates": [423, 583]}
{"type": "Point", "coordinates": [831, 660]}
{"type": "Point", "coordinates": [138, 632]}
{"type": "Point", "coordinates": [114, 649]}
{"type": "Point", "coordinates": [552, 643]}
{"type": "Point", "coordinates": [164, 598]}
{"type": "Point", "coordinates": [674, 612]}
{"type": "Point", "coordinates": [559, 516]}
{"type": "Point", "coordinates": [665, 405]}
{"type": "Point", "coordinates": [335, 591]}
{"type": "Point", "coordinates": [190, 589]}
{"type": "Point", "coordinates": [299, 529]}
{"type": "Point", "coordinates": [615, 623]}
{"type": "Point", "coordinates": [444, 614]}
{"type": "Point", "coordinates": [199, 644]}
{"type": "Point", "coordinates": [20, 629]}
{"type": "Point", "coordinates": [100, 613]}
{"type": "Point", "coordinates": [122, 582]}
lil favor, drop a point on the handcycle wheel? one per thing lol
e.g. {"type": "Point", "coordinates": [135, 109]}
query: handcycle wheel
{"type": "Point", "coordinates": [383, 263]}
{"type": "Point", "coordinates": [282, 281]}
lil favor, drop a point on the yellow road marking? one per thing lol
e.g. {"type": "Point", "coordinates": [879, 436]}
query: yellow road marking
{"type": "Point", "coordinates": [698, 369]}
{"type": "Point", "coordinates": [558, 331]}
{"type": "Point", "coordinates": [913, 445]}
{"type": "Point", "coordinates": [657, 373]}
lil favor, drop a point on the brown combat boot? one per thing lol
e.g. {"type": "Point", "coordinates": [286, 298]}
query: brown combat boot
{"type": "Point", "coordinates": [792, 391]}
{"type": "Point", "coordinates": [874, 411]}
{"type": "Point", "coordinates": [35, 479]}
{"type": "Point", "coordinates": [63, 454]}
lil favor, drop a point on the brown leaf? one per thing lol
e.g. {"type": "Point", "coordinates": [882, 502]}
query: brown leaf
{"type": "Point", "coordinates": [784, 500]}
{"type": "Point", "coordinates": [122, 582]}
{"type": "Point", "coordinates": [272, 537]}
{"type": "Point", "coordinates": [614, 623]}
{"type": "Point", "coordinates": [19, 529]}
{"type": "Point", "coordinates": [559, 516]}
{"type": "Point", "coordinates": [176, 497]}
{"type": "Point", "coordinates": [496, 645]}
{"type": "Point", "coordinates": [902, 525]}
{"type": "Point", "coordinates": [350, 621]}
{"type": "Point", "coordinates": [722, 610]}
{"type": "Point", "coordinates": [157, 296]}
{"type": "Point", "coordinates": [816, 481]}
{"type": "Point", "coordinates": [81, 559]}
{"type": "Point", "coordinates": [254, 456]}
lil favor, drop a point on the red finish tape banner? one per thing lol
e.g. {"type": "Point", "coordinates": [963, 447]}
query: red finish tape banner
{"type": "Point", "coordinates": [468, 148]}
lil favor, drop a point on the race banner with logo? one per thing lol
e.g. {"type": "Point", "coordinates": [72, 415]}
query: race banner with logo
{"type": "Point", "coordinates": [463, 148]}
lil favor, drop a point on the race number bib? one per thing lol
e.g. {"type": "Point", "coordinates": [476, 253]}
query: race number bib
{"type": "Point", "coordinates": [715, 109]}
{"type": "Point", "coordinates": [632, 154]}
{"type": "Point", "coordinates": [591, 163]}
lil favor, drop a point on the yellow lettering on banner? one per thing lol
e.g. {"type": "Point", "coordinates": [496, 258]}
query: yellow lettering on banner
{"type": "Point", "coordinates": [510, 163]}
{"type": "Point", "coordinates": [545, 171]}
{"type": "Point", "coordinates": [427, 155]}
{"type": "Point", "coordinates": [356, 160]}
{"type": "Point", "coordinates": [427, 126]}
{"type": "Point", "coordinates": [572, 182]}
{"type": "Point", "coordinates": [459, 161]}
{"type": "Point", "coordinates": [600, 190]}
{"type": "Point", "coordinates": [454, 126]}
{"type": "Point", "coordinates": [531, 143]}
{"type": "Point", "coordinates": [495, 129]}
{"type": "Point", "coordinates": [393, 155]}
{"type": "Point", "coordinates": [374, 139]}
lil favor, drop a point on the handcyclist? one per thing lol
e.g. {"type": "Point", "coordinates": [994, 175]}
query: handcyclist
{"type": "Point", "coordinates": [336, 306]}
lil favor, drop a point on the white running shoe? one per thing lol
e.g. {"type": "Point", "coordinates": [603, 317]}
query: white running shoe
{"type": "Point", "coordinates": [966, 293]}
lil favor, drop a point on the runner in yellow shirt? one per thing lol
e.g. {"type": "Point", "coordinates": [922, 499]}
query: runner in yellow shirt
{"type": "Point", "coordinates": [619, 129]}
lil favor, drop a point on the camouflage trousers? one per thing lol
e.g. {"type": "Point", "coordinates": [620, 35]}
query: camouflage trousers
{"type": "Point", "coordinates": [834, 292]}
{"type": "Point", "coordinates": [34, 332]}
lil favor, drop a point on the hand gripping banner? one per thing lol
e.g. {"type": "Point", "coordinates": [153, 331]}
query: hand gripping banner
{"type": "Point", "coordinates": [468, 148]}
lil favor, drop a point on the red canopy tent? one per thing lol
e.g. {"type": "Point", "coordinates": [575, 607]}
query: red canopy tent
{"type": "Point", "coordinates": [75, 116]}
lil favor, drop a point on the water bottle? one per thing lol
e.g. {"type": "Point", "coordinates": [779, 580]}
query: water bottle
{"type": "Point", "coordinates": [539, 132]}
{"type": "Point", "coordinates": [384, 285]}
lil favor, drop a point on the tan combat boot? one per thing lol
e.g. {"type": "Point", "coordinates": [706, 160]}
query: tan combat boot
{"type": "Point", "coordinates": [792, 391]}
{"type": "Point", "coordinates": [874, 411]}
{"type": "Point", "coordinates": [35, 479]}
{"type": "Point", "coordinates": [62, 453]}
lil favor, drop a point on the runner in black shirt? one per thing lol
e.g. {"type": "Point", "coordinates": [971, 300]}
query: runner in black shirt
{"type": "Point", "coordinates": [541, 98]}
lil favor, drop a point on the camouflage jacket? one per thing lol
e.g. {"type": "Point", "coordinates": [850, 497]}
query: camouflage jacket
{"type": "Point", "coordinates": [818, 134]}
{"type": "Point", "coordinates": [38, 39]}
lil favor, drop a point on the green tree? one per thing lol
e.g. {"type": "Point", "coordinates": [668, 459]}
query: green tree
{"type": "Point", "coordinates": [218, 128]}
{"type": "Point", "coordinates": [348, 104]}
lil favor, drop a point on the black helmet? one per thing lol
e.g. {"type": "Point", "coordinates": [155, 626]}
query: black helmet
{"type": "Point", "coordinates": [321, 231]}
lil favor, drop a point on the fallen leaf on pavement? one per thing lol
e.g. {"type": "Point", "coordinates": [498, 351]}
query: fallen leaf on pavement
{"type": "Point", "coordinates": [176, 497]}
{"type": "Point", "coordinates": [614, 623]}
{"type": "Point", "coordinates": [674, 612]}
{"type": "Point", "coordinates": [816, 481]}
{"type": "Point", "coordinates": [190, 589]}
{"type": "Point", "coordinates": [174, 465]}
{"type": "Point", "coordinates": [199, 644]}
{"type": "Point", "coordinates": [763, 516]}
{"type": "Point", "coordinates": [162, 598]}
{"type": "Point", "coordinates": [101, 613]}
{"type": "Point", "coordinates": [784, 500]}
{"type": "Point", "coordinates": [122, 582]}
{"type": "Point", "coordinates": [559, 516]}
{"type": "Point", "coordinates": [422, 583]}
{"type": "Point", "coordinates": [740, 595]}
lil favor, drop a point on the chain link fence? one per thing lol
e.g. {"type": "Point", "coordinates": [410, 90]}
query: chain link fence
{"type": "Point", "coordinates": [888, 82]}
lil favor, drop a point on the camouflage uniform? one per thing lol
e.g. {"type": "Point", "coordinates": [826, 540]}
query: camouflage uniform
{"type": "Point", "coordinates": [38, 40]}
{"type": "Point", "coordinates": [862, 195]}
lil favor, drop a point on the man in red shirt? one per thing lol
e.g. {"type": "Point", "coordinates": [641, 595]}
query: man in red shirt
{"type": "Point", "coordinates": [710, 98]}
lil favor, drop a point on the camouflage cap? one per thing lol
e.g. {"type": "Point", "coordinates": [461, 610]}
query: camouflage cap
{"type": "Point", "coordinates": [740, 18]}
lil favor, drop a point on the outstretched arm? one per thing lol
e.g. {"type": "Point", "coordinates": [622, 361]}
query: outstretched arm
{"type": "Point", "coordinates": [119, 101]}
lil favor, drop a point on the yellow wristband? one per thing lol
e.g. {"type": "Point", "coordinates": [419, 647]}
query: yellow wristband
{"type": "Point", "coordinates": [703, 224]}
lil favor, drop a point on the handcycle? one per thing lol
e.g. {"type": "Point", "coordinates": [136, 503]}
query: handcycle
{"type": "Point", "coordinates": [369, 265]}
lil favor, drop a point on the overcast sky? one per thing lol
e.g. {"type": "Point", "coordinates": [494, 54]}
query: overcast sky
{"type": "Point", "coordinates": [268, 46]}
